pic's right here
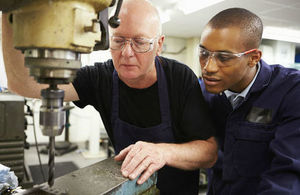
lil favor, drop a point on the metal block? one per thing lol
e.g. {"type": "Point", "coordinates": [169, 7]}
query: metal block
{"type": "Point", "coordinates": [102, 178]}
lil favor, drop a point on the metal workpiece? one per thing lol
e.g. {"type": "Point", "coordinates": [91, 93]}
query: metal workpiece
{"type": "Point", "coordinates": [102, 178]}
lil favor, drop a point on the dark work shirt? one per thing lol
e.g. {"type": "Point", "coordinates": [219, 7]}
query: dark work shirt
{"type": "Point", "coordinates": [140, 107]}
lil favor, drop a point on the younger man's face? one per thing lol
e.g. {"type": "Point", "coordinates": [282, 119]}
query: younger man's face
{"type": "Point", "coordinates": [219, 72]}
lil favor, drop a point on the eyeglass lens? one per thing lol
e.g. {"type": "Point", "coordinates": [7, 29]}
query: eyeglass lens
{"type": "Point", "coordinates": [223, 58]}
{"type": "Point", "coordinates": [137, 44]}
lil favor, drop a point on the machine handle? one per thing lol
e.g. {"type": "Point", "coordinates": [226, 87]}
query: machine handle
{"type": "Point", "coordinates": [114, 21]}
{"type": "Point", "coordinates": [103, 19]}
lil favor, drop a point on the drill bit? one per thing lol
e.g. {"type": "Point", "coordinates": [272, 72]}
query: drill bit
{"type": "Point", "coordinates": [51, 161]}
{"type": "Point", "coordinates": [52, 122]}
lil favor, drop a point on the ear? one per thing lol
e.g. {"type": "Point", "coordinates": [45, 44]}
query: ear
{"type": "Point", "coordinates": [160, 43]}
{"type": "Point", "coordinates": [254, 58]}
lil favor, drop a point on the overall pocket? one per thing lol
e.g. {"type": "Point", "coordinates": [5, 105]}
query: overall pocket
{"type": "Point", "coordinates": [251, 153]}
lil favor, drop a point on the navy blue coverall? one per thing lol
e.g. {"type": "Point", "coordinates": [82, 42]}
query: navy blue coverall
{"type": "Point", "coordinates": [259, 141]}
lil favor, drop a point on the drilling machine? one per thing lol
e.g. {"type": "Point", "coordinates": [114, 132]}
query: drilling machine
{"type": "Point", "coordinates": [52, 34]}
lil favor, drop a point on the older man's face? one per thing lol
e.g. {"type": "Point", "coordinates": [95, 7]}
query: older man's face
{"type": "Point", "coordinates": [129, 64]}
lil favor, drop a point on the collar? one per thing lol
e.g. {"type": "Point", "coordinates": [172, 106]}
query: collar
{"type": "Point", "coordinates": [243, 94]}
{"type": "Point", "coordinates": [263, 77]}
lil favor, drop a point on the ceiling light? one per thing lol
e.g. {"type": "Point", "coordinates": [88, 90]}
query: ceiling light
{"type": "Point", "coordinates": [165, 15]}
{"type": "Point", "coordinates": [281, 34]}
{"type": "Point", "coordinates": [190, 6]}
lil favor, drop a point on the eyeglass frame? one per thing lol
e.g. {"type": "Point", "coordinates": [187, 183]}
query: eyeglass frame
{"type": "Point", "coordinates": [213, 54]}
{"type": "Point", "coordinates": [130, 40]}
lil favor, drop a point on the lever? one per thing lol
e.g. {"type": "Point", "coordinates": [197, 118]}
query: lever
{"type": "Point", "coordinates": [114, 21]}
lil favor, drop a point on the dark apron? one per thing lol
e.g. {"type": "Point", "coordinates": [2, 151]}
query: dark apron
{"type": "Point", "coordinates": [170, 180]}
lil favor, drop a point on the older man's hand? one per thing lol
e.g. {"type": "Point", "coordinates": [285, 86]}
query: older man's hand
{"type": "Point", "coordinates": [141, 157]}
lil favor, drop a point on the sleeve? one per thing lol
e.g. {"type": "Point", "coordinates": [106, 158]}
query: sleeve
{"type": "Point", "coordinates": [283, 175]}
{"type": "Point", "coordinates": [83, 86]}
{"type": "Point", "coordinates": [93, 84]}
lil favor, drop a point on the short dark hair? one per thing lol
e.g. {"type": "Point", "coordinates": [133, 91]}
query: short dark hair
{"type": "Point", "coordinates": [248, 22]}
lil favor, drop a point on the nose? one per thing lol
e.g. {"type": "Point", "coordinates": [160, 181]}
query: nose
{"type": "Point", "coordinates": [211, 65]}
{"type": "Point", "coordinates": [127, 50]}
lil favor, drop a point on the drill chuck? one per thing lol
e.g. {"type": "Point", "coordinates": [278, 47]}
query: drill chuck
{"type": "Point", "coordinates": [52, 113]}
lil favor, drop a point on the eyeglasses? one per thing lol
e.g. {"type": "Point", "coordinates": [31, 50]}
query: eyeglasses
{"type": "Point", "coordinates": [223, 58]}
{"type": "Point", "coordinates": [139, 45]}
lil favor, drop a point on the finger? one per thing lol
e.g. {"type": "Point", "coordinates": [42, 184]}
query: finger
{"type": "Point", "coordinates": [123, 153]}
{"type": "Point", "coordinates": [140, 168]}
{"type": "Point", "coordinates": [135, 162]}
{"type": "Point", "coordinates": [147, 173]}
{"type": "Point", "coordinates": [131, 154]}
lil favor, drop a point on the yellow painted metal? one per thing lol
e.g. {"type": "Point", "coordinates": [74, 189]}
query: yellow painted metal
{"type": "Point", "coordinates": [57, 24]}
